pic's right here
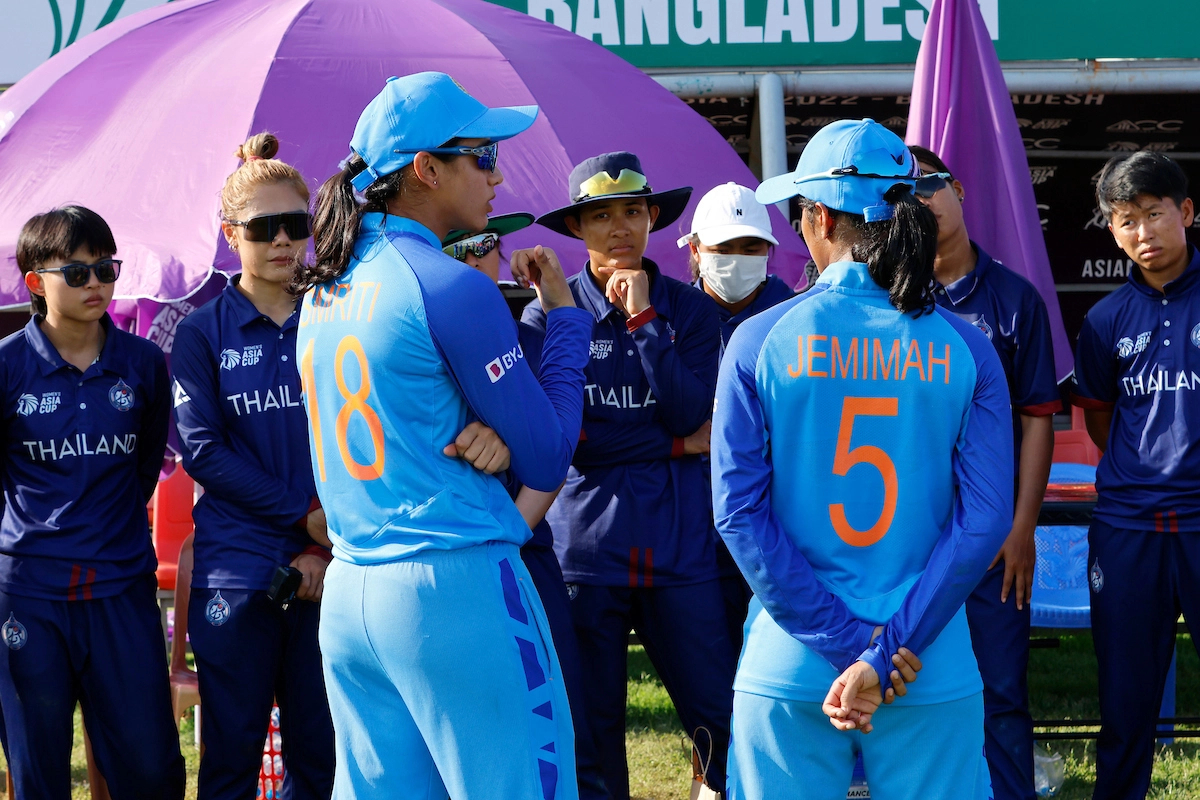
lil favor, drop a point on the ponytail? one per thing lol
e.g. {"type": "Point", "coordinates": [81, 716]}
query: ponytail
{"type": "Point", "coordinates": [899, 253]}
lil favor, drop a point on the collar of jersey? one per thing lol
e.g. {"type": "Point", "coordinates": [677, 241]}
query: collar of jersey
{"type": "Point", "coordinates": [600, 307]}
{"type": "Point", "coordinates": [965, 286]}
{"type": "Point", "coordinates": [1189, 278]}
{"type": "Point", "coordinates": [851, 276]}
{"type": "Point", "coordinates": [376, 222]}
{"type": "Point", "coordinates": [51, 360]}
{"type": "Point", "coordinates": [244, 310]}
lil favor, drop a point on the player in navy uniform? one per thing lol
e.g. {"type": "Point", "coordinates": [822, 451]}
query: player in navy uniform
{"type": "Point", "coordinates": [634, 521]}
{"type": "Point", "coordinates": [1136, 368]}
{"type": "Point", "coordinates": [86, 410]}
{"type": "Point", "coordinates": [481, 251]}
{"type": "Point", "coordinates": [243, 433]}
{"type": "Point", "coordinates": [1013, 316]}
{"type": "Point", "coordinates": [728, 247]}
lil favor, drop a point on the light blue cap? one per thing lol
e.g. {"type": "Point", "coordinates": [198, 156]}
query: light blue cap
{"type": "Point", "coordinates": [848, 166]}
{"type": "Point", "coordinates": [423, 111]}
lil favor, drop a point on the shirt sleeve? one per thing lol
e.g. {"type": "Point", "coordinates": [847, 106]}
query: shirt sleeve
{"type": "Point", "coordinates": [605, 443]}
{"type": "Point", "coordinates": [1035, 390]}
{"type": "Point", "coordinates": [983, 513]}
{"type": "Point", "coordinates": [1094, 385]}
{"type": "Point", "coordinates": [780, 575]}
{"type": "Point", "coordinates": [681, 368]}
{"type": "Point", "coordinates": [156, 422]}
{"type": "Point", "coordinates": [208, 455]}
{"type": "Point", "coordinates": [539, 423]}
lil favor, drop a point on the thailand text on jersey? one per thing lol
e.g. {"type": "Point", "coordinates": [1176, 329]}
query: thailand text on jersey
{"type": "Point", "coordinates": [82, 453]}
{"type": "Point", "coordinates": [394, 355]}
{"type": "Point", "coordinates": [1139, 356]}
{"type": "Point", "coordinates": [840, 433]}
{"type": "Point", "coordinates": [1013, 316]}
{"type": "Point", "coordinates": [630, 513]}
{"type": "Point", "coordinates": [244, 436]}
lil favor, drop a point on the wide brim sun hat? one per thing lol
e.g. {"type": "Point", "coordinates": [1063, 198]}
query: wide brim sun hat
{"type": "Point", "coordinates": [615, 176]}
{"type": "Point", "coordinates": [501, 225]}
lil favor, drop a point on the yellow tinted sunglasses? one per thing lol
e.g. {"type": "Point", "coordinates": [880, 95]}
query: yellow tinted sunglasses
{"type": "Point", "coordinates": [602, 185]}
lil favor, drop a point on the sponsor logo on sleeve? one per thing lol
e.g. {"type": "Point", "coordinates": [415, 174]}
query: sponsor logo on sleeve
{"type": "Point", "coordinates": [499, 366]}
{"type": "Point", "coordinates": [180, 395]}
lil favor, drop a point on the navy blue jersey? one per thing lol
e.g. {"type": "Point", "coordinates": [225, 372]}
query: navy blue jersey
{"type": "Point", "coordinates": [771, 292]}
{"type": "Point", "coordinates": [1013, 315]}
{"type": "Point", "coordinates": [244, 435]}
{"type": "Point", "coordinates": [82, 454]}
{"type": "Point", "coordinates": [1139, 356]}
{"type": "Point", "coordinates": [634, 510]}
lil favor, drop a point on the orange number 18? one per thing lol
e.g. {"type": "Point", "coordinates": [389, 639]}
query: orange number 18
{"type": "Point", "coordinates": [356, 401]}
{"type": "Point", "coordinates": [844, 458]}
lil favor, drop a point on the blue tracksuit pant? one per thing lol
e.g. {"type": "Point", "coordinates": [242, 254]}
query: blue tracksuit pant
{"type": "Point", "coordinates": [1140, 582]}
{"type": "Point", "coordinates": [1000, 638]}
{"type": "Point", "coordinates": [249, 655]}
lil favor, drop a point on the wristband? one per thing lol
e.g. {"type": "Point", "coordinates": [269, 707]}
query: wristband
{"type": "Point", "coordinates": [677, 445]}
{"type": "Point", "coordinates": [638, 320]}
{"type": "Point", "coordinates": [318, 551]}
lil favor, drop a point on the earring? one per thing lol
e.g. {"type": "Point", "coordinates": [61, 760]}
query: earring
{"type": "Point", "coordinates": [233, 245]}
{"type": "Point", "coordinates": [435, 183]}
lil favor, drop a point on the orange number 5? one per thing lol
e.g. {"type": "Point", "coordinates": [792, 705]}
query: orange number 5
{"type": "Point", "coordinates": [845, 458]}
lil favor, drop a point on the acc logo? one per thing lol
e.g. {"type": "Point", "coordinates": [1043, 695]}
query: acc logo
{"type": "Point", "coordinates": [981, 323]}
{"type": "Point", "coordinates": [230, 359]}
{"type": "Point", "coordinates": [217, 610]}
{"type": "Point", "coordinates": [1196, 335]}
{"type": "Point", "coordinates": [27, 404]}
{"type": "Point", "coordinates": [15, 635]}
{"type": "Point", "coordinates": [1096, 577]}
{"type": "Point", "coordinates": [601, 348]}
{"type": "Point", "coordinates": [121, 396]}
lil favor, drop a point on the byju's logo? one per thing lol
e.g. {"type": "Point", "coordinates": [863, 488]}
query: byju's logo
{"type": "Point", "coordinates": [498, 366]}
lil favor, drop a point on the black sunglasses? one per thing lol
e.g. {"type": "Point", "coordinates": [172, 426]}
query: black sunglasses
{"type": "Point", "coordinates": [296, 224]}
{"type": "Point", "coordinates": [76, 274]}
{"type": "Point", "coordinates": [931, 184]}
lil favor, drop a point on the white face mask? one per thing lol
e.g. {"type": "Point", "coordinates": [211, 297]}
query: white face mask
{"type": "Point", "coordinates": [732, 277]}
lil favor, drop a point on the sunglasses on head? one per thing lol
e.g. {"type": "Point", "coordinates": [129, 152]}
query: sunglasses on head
{"type": "Point", "coordinates": [486, 154]}
{"type": "Point", "coordinates": [602, 184]}
{"type": "Point", "coordinates": [76, 274]}
{"type": "Point", "coordinates": [478, 246]}
{"type": "Point", "coordinates": [296, 224]}
{"type": "Point", "coordinates": [931, 184]}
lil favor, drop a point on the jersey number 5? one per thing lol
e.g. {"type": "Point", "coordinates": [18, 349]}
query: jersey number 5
{"type": "Point", "coordinates": [356, 401]}
{"type": "Point", "coordinates": [844, 458]}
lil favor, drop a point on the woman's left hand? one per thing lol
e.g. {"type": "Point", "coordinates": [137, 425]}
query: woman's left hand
{"type": "Point", "coordinates": [480, 446]}
{"type": "Point", "coordinates": [313, 569]}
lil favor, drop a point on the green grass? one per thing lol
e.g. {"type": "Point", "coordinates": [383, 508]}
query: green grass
{"type": "Point", "coordinates": [1062, 685]}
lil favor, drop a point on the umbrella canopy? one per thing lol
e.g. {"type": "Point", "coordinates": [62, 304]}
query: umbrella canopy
{"type": "Point", "coordinates": [139, 121]}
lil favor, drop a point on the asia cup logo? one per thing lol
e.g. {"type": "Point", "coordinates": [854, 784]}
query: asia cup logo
{"type": "Point", "coordinates": [27, 403]}
{"type": "Point", "coordinates": [15, 635]}
{"type": "Point", "coordinates": [217, 611]}
{"type": "Point", "coordinates": [121, 396]}
{"type": "Point", "coordinates": [230, 359]}
{"type": "Point", "coordinates": [1125, 346]}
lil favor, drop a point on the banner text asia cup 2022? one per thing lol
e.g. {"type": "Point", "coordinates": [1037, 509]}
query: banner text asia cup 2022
{"type": "Point", "coordinates": [716, 34]}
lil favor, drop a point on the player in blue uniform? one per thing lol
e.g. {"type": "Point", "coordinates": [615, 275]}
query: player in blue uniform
{"type": "Point", "coordinates": [1013, 315]}
{"type": "Point", "coordinates": [244, 438]}
{"type": "Point", "coordinates": [1136, 377]}
{"type": "Point", "coordinates": [633, 522]}
{"type": "Point", "coordinates": [481, 251]}
{"type": "Point", "coordinates": [728, 247]}
{"type": "Point", "coordinates": [441, 671]}
{"type": "Point", "coordinates": [86, 410]}
{"type": "Point", "coordinates": [861, 519]}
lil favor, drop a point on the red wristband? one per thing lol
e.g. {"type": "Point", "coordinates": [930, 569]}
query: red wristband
{"type": "Point", "coordinates": [677, 445]}
{"type": "Point", "coordinates": [302, 523]}
{"type": "Point", "coordinates": [638, 320]}
{"type": "Point", "coordinates": [318, 551]}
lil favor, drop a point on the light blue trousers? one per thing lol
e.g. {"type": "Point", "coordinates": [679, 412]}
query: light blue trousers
{"type": "Point", "coordinates": [443, 680]}
{"type": "Point", "coordinates": [786, 749]}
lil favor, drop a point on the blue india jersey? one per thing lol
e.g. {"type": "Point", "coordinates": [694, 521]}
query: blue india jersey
{"type": "Point", "coordinates": [396, 356]}
{"type": "Point", "coordinates": [862, 476]}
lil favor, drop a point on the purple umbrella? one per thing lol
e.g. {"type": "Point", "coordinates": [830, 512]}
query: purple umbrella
{"type": "Point", "coordinates": [139, 121]}
{"type": "Point", "coordinates": [961, 110]}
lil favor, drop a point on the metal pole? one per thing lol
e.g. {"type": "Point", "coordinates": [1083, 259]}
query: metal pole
{"type": "Point", "coordinates": [772, 131]}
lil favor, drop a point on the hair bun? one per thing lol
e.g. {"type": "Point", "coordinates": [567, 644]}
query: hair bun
{"type": "Point", "coordinates": [258, 146]}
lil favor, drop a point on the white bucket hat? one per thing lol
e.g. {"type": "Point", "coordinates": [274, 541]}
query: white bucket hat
{"type": "Point", "coordinates": [729, 212]}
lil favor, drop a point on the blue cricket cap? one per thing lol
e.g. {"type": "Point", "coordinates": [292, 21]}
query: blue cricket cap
{"type": "Point", "coordinates": [848, 166]}
{"type": "Point", "coordinates": [423, 111]}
